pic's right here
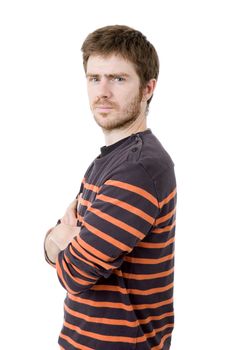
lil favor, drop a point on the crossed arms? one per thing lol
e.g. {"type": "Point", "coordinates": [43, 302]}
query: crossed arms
{"type": "Point", "coordinates": [58, 237]}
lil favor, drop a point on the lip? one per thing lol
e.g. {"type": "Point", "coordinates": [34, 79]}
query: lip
{"type": "Point", "coordinates": [104, 107]}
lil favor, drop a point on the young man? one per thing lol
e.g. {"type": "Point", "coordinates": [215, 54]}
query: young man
{"type": "Point", "coordinates": [113, 250]}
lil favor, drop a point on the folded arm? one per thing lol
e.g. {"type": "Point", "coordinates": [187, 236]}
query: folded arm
{"type": "Point", "coordinates": [57, 238]}
{"type": "Point", "coordinates": [122, 213]}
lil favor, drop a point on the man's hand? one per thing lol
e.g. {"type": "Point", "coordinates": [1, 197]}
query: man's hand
{"type": "Point", "coordinates": [70, 217]}
{"type": "Point", "coordinates": [60, 236]}
{"type": "Point", "coordinates": [63, 233]}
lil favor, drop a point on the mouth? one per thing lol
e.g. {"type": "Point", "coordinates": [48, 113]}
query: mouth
{"type": "Point", "coordinates": [103, 108]}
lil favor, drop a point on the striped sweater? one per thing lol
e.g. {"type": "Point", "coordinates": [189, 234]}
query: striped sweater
{"type": "Point", "coordinates": [119, 271]}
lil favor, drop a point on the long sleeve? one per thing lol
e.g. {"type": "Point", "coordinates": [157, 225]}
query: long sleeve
{"type": "Point", "coordinates": [48, 232]}
{"type": "Point", "coordinates": [53, 264]}
{"type": "Point", "coordinates": [118, 270]}
{"type": "Point", "coordinates": [123, 212]}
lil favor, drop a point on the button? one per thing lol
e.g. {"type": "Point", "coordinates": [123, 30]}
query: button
{"type": "Point", "coordinates": [137, 138]}
{"type": "Point", "coordinates": [134, 149]}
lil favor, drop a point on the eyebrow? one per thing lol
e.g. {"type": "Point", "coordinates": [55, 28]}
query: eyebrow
{"type": "Point", "coordinates": [108, 75]}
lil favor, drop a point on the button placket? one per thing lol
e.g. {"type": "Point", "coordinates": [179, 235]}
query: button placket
{"type": "Point", "coordinates": [137, 139]}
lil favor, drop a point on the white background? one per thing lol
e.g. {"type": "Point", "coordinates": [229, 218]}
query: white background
{"type": "Point", "coordinates": [48, 138]}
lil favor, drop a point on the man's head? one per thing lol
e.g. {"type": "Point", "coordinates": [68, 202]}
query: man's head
{"type": "Point", "coordinates": [122, 68]}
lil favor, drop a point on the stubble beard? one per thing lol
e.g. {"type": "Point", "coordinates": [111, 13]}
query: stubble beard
{"type": "Point", "coordinates": [128, 116]}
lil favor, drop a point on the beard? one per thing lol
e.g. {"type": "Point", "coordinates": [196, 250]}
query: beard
{"type": "Point", "coordinates": [120, 120]}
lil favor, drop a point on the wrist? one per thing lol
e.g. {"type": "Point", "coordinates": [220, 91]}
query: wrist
{"type": "Point", "coordinates": [51, 250]}
{"type": "Point", "coordinates": [62, 235]}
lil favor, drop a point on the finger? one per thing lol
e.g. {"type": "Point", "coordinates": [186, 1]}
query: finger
{"type": "Point", "coordinates": [73, 215]}
{"type": "Point", "coordinates": [65, 219]}
{"type": "Point", "coordinates": [72, 209]}
{"type": "Point", "coordinates": [79, 199]}
{"type": "Point", "coordinates": [70, 217]}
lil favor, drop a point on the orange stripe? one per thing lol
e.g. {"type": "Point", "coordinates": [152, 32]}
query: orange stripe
{"type": "Point", "coordinates": [157, 330]}
{"type": "Point", "coordinates": [113, 288]}
{"type": "Point", "coordinates": [165, 217]}
{"type": "Point", "coordinates": [117, 223]}
{"type": "Point", "coordinates": [141, 277]}
{"type": "Point", "coordinates": [130, 307]}
{"type": "Point", "coordinates": [107, 321]}
{"type": "Point", "coordinates": [78, 270]}
{"type": "Point", "coordinates": [101, 304]}
{"type": "Point", "coordinates": [150, 291]}
{"type": "Point", "coordinates": [167, 199]}
{"type": "Point", "coordinates": [156, 318]}
{"type": "Point", "coordinates": [59, 271]}
{"type": "Point", "coordinates": [93, 251]}
{"type": "Point", "coordinates": [160, 346]}
{"type": "Point", "coordinates": [148, 261]}
{"type": "Point", "coordinates": [107, 238]}
{"type": "Point", "coordinates": [85, 202]}
{"type": "Point", "coordinates": [80, 218]}
{"type": "Point", "coordinates": [152, 306]}
{"type": "Point", "coordinates": [90, 257]}
{"type": "Point", "coordinates": [117, 322]}
{"type": "Point", "coordinates": [75, 279]}
{"type": "Point", "coordinates": [164, 229]}
{"type": "Point", "coordinates": [152, 245]}
{"type": "Point", "coordinates": [127, 207]}
{"type": "Point", "coordinates": [135, 189]}
{"type": "Point", "coordinates": [79, 257]}
{"type": "Point", "coordinates": [102, 337]}
{"type": "Point", "coordinates": [132, 291]}
{"type": "Point", "coordinates": [78, 346]}
{"type": "Point", "coordinates": [91, 187]}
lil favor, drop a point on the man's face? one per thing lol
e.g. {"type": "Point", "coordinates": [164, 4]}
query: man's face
{"type": "Point", "coordinates": [114, 91]}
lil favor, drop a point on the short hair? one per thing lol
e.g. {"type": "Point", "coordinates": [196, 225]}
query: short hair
{"type": "Point", "coordinates": [127, 42]}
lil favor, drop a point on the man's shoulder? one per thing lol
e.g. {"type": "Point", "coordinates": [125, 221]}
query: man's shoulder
{"type": "Point", "coordinates": [154, 163]}
{"type": "Point", "coordinates": [143, 158]}
{"type": "Point", "coordinates": [152, 156]}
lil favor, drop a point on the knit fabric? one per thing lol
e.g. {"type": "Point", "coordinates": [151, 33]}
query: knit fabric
{"type": "Point", "coordinates": [119, 271]}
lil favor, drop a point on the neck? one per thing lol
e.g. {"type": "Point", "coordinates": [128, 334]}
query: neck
{"type": "Point", "coordinates": [112, 136]}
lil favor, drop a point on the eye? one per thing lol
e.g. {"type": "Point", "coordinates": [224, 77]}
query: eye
{"type": "Point", "coordinates": [119, 78]}
{"type": "Point", "coordinates": [93, 79]}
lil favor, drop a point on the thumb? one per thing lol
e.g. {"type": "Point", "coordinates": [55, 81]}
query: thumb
{"type": "Point", "coordinates": [79, 199]}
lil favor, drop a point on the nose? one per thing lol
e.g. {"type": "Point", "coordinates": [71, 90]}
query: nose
{"type": "Point", "coordinates": [104, 90]}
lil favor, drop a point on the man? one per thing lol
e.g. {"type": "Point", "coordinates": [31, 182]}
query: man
{"type": "Point", "coordinates": [113, 250]}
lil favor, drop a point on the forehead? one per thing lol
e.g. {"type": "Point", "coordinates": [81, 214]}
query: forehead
{"type": "Point", "coordinates": [109, 65]}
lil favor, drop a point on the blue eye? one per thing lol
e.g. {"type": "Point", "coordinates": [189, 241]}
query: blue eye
{"type": "Point", "coordinates": [116, 78]}
{"type": "Point", "coordinates": [120, 79]}
{"type": "Point", "coordinates": [93, 79]}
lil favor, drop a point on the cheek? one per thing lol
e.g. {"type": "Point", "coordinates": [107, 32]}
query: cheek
{"type": "Point", "coordinates": [126, 98]}
{"type": "Point", "coordinates": [90, 95]}
{"type": "Point", "coordinates": [122, 96]}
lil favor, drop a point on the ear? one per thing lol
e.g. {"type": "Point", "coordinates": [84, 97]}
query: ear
{"type": "Point", "coordinates": [149, 89]}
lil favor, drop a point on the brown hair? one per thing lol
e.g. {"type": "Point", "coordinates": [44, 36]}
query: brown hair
{"type": "Point", "coordinates": [128, 43]}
